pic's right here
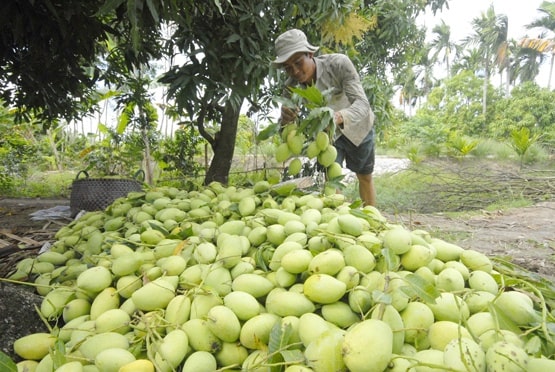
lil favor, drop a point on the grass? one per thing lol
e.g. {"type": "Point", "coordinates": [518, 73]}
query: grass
{"type": "Point", "coordinates": [454, 186]}
{"type": "Point", "coordinates": [50, 184]}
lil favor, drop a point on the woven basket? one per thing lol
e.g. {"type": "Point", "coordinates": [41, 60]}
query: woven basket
{"type": "Point", "coordinates": [94, 194]}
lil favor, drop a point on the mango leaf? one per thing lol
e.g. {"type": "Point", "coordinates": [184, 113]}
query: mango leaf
{"type": "Point", "coordinates": [285, 101]}
{"type": "Point", "coordinates": [233, 38]}
{"type": "Point", "coordinates": [268, 132]}
{"type": "Point", "coordinates": [219, 5]}
{"type": "Point", "coordinates": [336, 183]}
{"type": "Point", "coordinates": [533, 346]}
{"type": "Point", "coordinates": [153, 11]}
{"type": "Point", "coordinates": [6, 364]}
{"type": "Point", "coordinates": [123, 122]}
{"type": "Point", "coordinates": [260, 256]}
{"type": "Point", "coordinates": [312, 95]}
{"type": "Point", "coordinates": [421, 288]}
{"type": "Point", "coordinates": [158, 227]}
{"type": "Point", "coordinates": [188, 230]}
{"type": "Point", "coordinates": [318, 120]}
{"type": "Point", "coordinates": [278, 339]}
{"type": "Point", "coordinates": [546, 338]}
{"type": "Point", "coordinates": [234, 207]}
{"type": "Point", "coordinates": [355, 209]}
{"type": "Point", "coordinates": [381, 297]}
{"type": "Point", "coordinates": [377, 222]}
{"type": "Point", "coordinates": [392, 261]}
{"type": "Point", "coordinates": [292, 356]}
{"type": "Point", "coordinates": [59, 354]}
{"type": "Point", "coordinates": [352, 28]}
{"type": "Point", "coordinates": [102, 128]}
{"type": "Point", "coordinates": [513, 274]}
{"type": "Point", "coordinates": [503, 320]}
{"type": "Point", "coordinates": [109, 6]}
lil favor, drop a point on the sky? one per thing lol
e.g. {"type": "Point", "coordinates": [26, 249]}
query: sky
{"type": "Point", "coordinates": [461, 12]}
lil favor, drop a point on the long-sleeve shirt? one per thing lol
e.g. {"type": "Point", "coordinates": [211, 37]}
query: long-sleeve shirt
{"type": "Point", "coordinates": [337, 71]}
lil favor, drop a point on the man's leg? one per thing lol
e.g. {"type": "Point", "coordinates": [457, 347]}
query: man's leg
{"type": "Point", "coordinates": [366, 189]}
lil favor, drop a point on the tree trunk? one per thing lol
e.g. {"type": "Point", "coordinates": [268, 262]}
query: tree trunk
{"type": "Point", "coordinates": [485, 91]}
{"type": "Point", "coordinates": [508, 82]}
{"type": "Point", "coordinates": [52, 143]}
{"type": "Point", "coordinates": [149, 171]}
{"type": "Point", "coordinates": [550, 71]}
{"type": "Point", "coordinates": [224, 146]}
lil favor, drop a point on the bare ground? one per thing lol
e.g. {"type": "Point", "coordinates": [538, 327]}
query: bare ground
{"type": "Point", "coordinates": [524, 236]}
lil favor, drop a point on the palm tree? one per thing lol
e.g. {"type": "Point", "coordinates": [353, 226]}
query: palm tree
{"type": "Point", "coordinates": [442, 44]}
{"type": "Point", "coordinates": [543, 44]}
{"type": "Point", "coordinates": [416, 80]}
{"type": "Point", "coordinates": [471, 60]}
{"type": "Point", "coordinates": [526, 63]}
{"type": "Point", "coordinates": [408, 92]}
{"type": "Point", "coordinates": [490, 37]}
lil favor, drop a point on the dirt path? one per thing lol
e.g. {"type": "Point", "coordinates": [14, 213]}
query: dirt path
{"type": "Point", "coordinates": [524, 236]}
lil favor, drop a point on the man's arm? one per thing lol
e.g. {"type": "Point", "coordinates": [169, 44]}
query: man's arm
{"type": "Point", "coordinates": [288, 114]}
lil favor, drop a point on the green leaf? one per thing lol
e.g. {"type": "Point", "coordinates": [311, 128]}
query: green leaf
{"type": "Point", "coordinates": [58, 354]}
{"type": "Point", "coordinates": [336, 183]}
{"type": "Point", "coordinates": [268, 132]}
{"type": "Point", "coordinates": [292, 356]}
{"type": "Point", "coordinates": [219, 5]}
{"type": "Point", "coordinates": [391, 259]}
{"type": "Point", "coordinates": [155, 226]}
{"type": "Point", "coordinates": [275, 342]}
{"type": "Point", "coordinates": [376, 221]}
{"type": "Point", "coordinates": [184, 233]}
{"type": "Point", "coordinates": [533, 346]}
{"type": "Point", "coordinates": [109, 6]}
{"type": "Point", "coordinates": [312, 94]}
{"type": "Point", "coordinates": [421, 288]}
{"type": "Point", "coordinates": [122, 122]}
{"type": "Point", "coordinates": [279, 347]}
{"type": "Point", "coordinates": [102, 128]}
{"type": "Point", "coordinates": [354, 208]}
{"type": "Point", "coordinates": [503, 320]}
{"type": "Point", "coordinates": [188, 231]}
{"type": "Point", "coordinates": [284, 101]}
{"type": "Point", "coordinates": [317, 120]}
{"type": "Point", "coordinates": [233, 38]}
{"type": "Point", "coordinates": [6, 364]}
{"type": "Point", "coordinates": [259, 258]}
{"type": "Point", "coordinates": [153, 11]}
{"type": "Point", "coordinates": [381, 297]}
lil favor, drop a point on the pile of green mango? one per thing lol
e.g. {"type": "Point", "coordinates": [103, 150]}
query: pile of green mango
{"type": "Point", "coordinates": [267, 278]}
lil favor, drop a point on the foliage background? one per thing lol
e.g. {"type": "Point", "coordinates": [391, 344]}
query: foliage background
{"type": "Point", "coordinates": [167, 91]}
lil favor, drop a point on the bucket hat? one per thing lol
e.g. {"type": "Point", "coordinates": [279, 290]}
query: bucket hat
{"type": "Point", "coordinates": [291, 42]}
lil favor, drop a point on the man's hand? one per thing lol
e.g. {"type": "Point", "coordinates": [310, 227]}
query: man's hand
{"type": "Point", "coordinates": [288, 115]}
{"type": "Point", "coordinates": [338, 119]}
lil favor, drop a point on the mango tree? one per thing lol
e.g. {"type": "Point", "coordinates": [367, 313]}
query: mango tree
{"type": "Point", "coordinates": [228, 52]}
{"type": "Point", "coordinates": [227, 48]}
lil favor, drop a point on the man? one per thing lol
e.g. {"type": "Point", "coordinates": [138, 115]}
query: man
{"type": "Point", "coordinates": [352, 113]}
